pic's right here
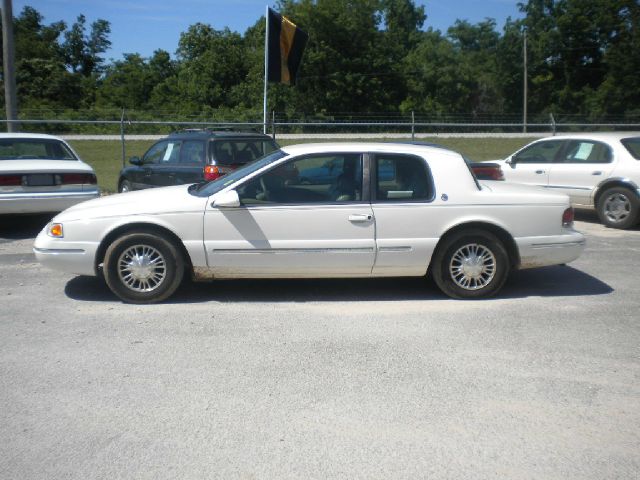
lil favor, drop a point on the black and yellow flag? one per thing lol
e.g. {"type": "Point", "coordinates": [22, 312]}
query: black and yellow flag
{"type": "Point", "coordinates": [286, 44]}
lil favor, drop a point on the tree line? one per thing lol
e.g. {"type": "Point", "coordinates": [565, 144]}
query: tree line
{"type": "Point", "coordinates": [363, 57]}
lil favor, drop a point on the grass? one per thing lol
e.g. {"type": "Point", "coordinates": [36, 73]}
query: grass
{"type": "Point", "coordinates": [105, 156]}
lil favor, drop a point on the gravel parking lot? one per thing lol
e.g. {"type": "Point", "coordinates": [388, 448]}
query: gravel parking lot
{"type": "Point", "coordinates": [372, 379]}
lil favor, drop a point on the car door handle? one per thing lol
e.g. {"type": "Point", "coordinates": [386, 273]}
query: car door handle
{"type": "Point", "coordinates": [539, 172]}
{"type": "Point", "coordinates": [597, 172]}
{"type": "Point", "coordinates": [360, 218]}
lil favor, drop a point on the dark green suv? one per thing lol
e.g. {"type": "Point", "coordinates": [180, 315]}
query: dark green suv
{"type": "Point", "coordinates": [193, 156]}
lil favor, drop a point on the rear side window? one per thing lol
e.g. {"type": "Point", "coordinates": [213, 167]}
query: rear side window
{"type": "Point", "coordinates": [633, 146]}
{"type": "Point", "coordinates": [192, 152]}
{"type": "Point", "coordinates": [230, 152]}
{"type": "Point", "coordinates": [541, 152]}
{"type": "Point", "coordinates": [584, 151]}
{"type": "Point", "coordinates": [402, 178]}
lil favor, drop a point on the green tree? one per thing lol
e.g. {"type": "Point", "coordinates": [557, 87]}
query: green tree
{"type": "Point", "coordinates": [81, 50]}
{"type": "Point", "coordinates": [212, 62]}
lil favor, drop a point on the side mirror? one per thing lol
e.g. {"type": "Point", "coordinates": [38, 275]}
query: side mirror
{"type": "Point", "coordinates": [135, 161]}
{"type": "Point", "coordinates": [511, 161]}
{"type": "Point", "coordinates": [226, 199]}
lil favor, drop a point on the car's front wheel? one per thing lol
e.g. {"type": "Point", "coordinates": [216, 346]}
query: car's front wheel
{"type": "Point", "coordinates": [471, 264]}
{"type": "Point", "coordinates": [141, 267]}
{"type": "Point", "coordinates": [618, 207]}
{"type": "Point", "coordinates": [125, 186]}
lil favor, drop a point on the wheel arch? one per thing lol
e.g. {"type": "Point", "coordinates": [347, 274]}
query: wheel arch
{"type": "Point", "coordinates": [140, 227]}
{"type": "Point", "coordinates": [502, 235]}
{"type": "Point", "coordinates": [613, 183]}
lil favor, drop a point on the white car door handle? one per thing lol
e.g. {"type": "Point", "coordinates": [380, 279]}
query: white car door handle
{"type": "Point", "coordinates": [360, 218]}
{"type": "Point", "coordinates": [597, 172]}
{"type": "Point", "coordinates": [539, 172]}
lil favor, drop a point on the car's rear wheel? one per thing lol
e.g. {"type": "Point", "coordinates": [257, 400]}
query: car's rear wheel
{"type": "Point", "coordinates": [142, 267]}
{"type": "Point", "coordinates": [471, 264]}
{"type": "Point", "coordinates": [125, 186]}
{"type": "Point", "coordinates": [618, 207]}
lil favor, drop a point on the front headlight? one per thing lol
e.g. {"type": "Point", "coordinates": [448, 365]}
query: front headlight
{"type": "Point", "coordinates": [55, 230]}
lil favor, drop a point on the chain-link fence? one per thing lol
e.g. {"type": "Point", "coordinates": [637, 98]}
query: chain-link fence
{"type": "Point", "coordinates": [411, 125]}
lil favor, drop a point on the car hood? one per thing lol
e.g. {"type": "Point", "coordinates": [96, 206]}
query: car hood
{"type": "Point", "coordinates": [518, 192]}
{"type": "Point", "coordinates": [32, 165]}
{"type": "Point", "coordinates": [154, 201]}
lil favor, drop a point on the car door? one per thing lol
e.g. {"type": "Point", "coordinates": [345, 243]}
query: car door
{"type": "Point", "coordinates": [141, 177]}
{"type": "Point", "coordinates": [192, 161]}
{"type": "Point", "coordinates": [532, 164]}
{"type": "Point", "coordinates": [402, 194]}
{"type": "Point", "coordinates": [580, 167]}
{"type": "Point", "coordinates": [284, 228]}
{"type": "Point", "coordinates": [165, 170]}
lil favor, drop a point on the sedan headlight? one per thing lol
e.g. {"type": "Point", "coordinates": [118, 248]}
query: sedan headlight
{"type": "Point", "coordinates": [55, 230]}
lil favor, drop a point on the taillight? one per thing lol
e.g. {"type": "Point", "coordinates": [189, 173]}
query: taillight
{"type": "Point", "coordinates": [10, 180]}
{"type": "Point", "coordinates": [491, 173]}
{"type": "Point", "coordinates": [567, 217]}
{"type": "Point", "coordinates": [213, 172]}
{"type": "Point", "coordinates": [78, 178]}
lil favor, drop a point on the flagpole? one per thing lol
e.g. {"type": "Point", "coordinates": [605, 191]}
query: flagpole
{"type": "Point", "coordinates": [266, 70]}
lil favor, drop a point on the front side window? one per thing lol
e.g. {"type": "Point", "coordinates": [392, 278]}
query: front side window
{"type": "Point", "coordinates": [163, 152]}
{"type": "Point", "coordinates": [326, 178]}
{"type": "Point", "coordinates": [540, 152]}
{"type": "Point", "coordinates": [41, 149]}
{"type": "Point", "coordinates": [583, 151]}
{"type": "Point", "coordinates": [402, 178]}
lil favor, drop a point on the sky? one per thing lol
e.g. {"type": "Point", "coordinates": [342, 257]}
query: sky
{"type": "Point", "coordinates": [143, 26]}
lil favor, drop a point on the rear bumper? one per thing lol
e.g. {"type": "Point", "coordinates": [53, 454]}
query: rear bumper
{"type": "Point", "coordinates": [550, 250]}
{"type": "Point", "coordinates": [42, 202]}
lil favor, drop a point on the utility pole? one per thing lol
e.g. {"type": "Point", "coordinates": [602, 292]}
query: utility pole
{"type": "Point", "coordinates": [524, 80]}
{"type": "Point", "coordinates": [10, 100]}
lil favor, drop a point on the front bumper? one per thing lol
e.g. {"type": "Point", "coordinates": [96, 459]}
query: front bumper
{"type": "Point", "coordinates": [64, 256]}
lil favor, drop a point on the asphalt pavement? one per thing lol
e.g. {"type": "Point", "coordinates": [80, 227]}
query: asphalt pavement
{"type": "Point", "coordinates": [326, 379]}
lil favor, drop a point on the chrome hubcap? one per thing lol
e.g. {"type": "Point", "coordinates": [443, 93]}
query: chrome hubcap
{"type": "Point", "coordinates": [142, 268]}
{"type": "Point", "coordinates": [617, 207]}
{"type": "Point", "coordinates": [472, 266]}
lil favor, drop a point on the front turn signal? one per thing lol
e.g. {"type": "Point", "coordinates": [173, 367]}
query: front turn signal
{"type": "Point", "coordinates": [55, 230]}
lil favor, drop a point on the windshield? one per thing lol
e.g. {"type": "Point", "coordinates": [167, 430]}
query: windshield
{"type": "Point", "coordinates": [208, 189]}
{"type": "Point", "coordinates": [34, 148]}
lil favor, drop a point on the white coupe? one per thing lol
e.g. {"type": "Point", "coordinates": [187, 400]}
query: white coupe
{"type": "Point", "coordinates": [383, 210]}
{"type": "Point", "coordinates": [41, 173]}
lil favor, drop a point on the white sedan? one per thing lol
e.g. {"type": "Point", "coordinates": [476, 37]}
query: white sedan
{"type": "Point", "coordinates": [385, 210]}
{"type": "Point", "coordinates": [42, 173]}
{"type": "Point", "coordinates": [598, 171]}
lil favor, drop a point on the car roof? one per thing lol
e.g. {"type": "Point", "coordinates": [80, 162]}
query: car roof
{"type": "Point", "coordinates": [217, 134]}
{"type": "Point", "coordinates": [35, 136]}
{"type": "Point", "coordinates": [603, 136]}
{"type": "Point", "coordinates": [347, 147]}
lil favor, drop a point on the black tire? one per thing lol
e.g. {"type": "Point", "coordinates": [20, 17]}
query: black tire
{"type": "Point", "coordinates": [157, 278]}
{"type": "Point", "coordinates": [458, 279]}
{"type": "Point", "coordinates": [618, 207]}
{"type": "Point", "coordinates": [124, 186]}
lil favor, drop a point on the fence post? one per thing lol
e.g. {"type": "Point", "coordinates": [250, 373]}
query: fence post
{"type": "Point", "coordinates": [273, 124]}
{"type": "Point", "coordinates": [122, 137]}
{"type": "Point", "coordinates": [553, 124]}
{"type": "Point", "coordinates": [413, 125]}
